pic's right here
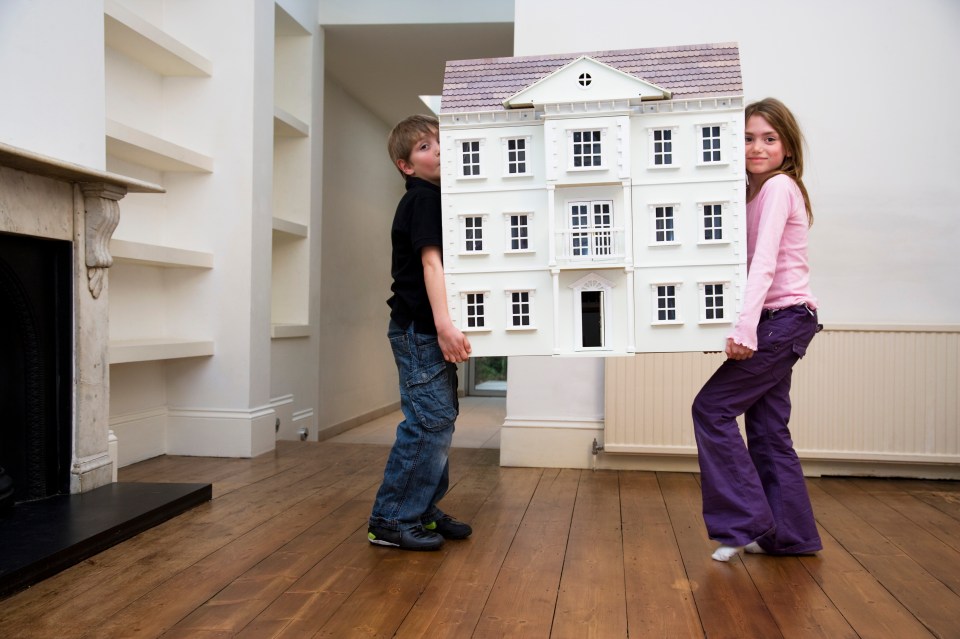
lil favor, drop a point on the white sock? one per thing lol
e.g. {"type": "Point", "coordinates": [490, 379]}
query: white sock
{"type": "Point", "coordinates": [726, 553]}
{"type": "Point", "coordinates": [754, 549]}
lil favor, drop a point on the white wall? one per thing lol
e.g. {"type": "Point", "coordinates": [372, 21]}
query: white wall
{"type": "Point", "coordinates": [53, 48]}
{"type": "Point", "coordinates": [872, 85]}
{"type": "Point", "coordinates": [554, 411]}
{"type": "Point", "coordinates": [361, 191]}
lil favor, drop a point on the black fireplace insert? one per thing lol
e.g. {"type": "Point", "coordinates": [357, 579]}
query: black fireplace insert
{"type": "Point", "coordinates": [36, 370]}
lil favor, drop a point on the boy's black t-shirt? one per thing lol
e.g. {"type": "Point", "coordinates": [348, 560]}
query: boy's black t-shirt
{"type": "Point", "coordinates": [417, 224]}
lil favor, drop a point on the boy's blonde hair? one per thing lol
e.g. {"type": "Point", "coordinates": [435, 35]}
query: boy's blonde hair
{"type": "Point", "coordinates": [781, 119]}
{"type": "Point", "coordinates": [406, 133]}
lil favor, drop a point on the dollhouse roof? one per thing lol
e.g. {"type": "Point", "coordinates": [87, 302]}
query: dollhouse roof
{"type": "Point", "coordinates": [689, 71]}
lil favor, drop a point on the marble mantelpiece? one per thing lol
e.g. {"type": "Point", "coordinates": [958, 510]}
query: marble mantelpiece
{"type": "Point", "coordinates": [45, 197]}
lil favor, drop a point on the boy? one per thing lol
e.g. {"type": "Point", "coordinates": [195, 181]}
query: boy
{"type": "Point", "coordinates": [426, 346]}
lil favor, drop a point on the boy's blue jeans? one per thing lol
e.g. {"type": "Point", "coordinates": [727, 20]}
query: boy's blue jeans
{"type": "Point", "coordinates": [417, 473]}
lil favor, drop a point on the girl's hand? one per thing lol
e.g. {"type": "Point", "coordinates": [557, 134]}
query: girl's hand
{"type": "Point", "coordinates": [738, 351]}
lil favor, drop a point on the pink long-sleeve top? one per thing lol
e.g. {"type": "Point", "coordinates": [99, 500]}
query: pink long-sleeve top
{"type": "Point", "coordinates": [777, 272]}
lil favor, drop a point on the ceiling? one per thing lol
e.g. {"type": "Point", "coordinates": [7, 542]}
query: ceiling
{"type": "Point", "coordinates": [387, 67]}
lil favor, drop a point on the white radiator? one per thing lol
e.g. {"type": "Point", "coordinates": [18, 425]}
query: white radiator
{"type": "Point", "coordinates": [862, 394]}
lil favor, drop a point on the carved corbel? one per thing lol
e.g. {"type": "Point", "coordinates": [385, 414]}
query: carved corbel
{"type": "Point", "coordinates": [101, 216]}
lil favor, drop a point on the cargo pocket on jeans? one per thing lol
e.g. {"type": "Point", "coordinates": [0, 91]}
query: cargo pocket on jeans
{"type": "Point", "coordinates": [433, 396]}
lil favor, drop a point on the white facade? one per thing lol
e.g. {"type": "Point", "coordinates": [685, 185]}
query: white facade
{"type": "Point", "coordinates": [588, 219]}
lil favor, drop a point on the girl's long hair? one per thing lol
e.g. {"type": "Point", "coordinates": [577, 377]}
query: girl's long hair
{"type": "Point", "coordinates": [781, 119]}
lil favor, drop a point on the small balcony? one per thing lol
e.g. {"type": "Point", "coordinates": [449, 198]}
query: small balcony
{"type": "Point", "coordinates": [574, 247]}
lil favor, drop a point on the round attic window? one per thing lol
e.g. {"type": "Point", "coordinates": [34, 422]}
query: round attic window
{"type": "Point", "coordinates": [585, 80]}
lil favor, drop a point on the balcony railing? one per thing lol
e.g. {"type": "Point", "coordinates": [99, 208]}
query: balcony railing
{"type": "Point", "coordinates": [591, 245]}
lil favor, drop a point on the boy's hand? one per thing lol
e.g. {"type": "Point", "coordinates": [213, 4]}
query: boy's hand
{"type": "Point", "coordinates": [738, 351]}
{"type": "Point", "coordinates": [453, 343]}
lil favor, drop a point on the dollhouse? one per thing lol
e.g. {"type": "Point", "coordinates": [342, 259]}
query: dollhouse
{"type": "Point", "coordinates": [593, 204]}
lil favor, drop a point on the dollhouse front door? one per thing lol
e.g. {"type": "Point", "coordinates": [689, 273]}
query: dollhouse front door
{"type": "Point", "coordinates": [592, 296]}
{"type": "Point", "coordinates": [591, 319]}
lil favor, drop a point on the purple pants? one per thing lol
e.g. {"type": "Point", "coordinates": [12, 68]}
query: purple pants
{"type": "Point", "coordinates": [756, 492]}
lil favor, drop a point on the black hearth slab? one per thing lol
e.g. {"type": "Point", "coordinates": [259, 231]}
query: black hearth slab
{"type": "Point", "coordinates": [39, 539]}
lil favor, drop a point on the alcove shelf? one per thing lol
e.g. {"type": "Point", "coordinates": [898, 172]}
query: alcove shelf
{"type": "Point", "coordinates": [293, 229]}
{"type": "Point", "coordinates": [287, 125]}
{"type": "Point", "coordinates": [133, 145]}
{"type": "Point", "coordinates": [138, 39]}
{"type": "Point", "coordinates": [284, 331]}
{"type": "Point", "coordinates": [148, 350]}
{"type": "Point", "coordinates": [126, 251]}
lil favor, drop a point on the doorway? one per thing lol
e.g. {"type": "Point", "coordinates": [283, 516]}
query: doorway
{"type": "Point", "coordinates": [591, 317]}
{"type": "Point", "coordinates": [486, 377]}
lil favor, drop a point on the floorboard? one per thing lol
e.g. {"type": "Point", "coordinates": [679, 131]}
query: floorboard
{"type": "Point", "coordinates": [659, 597]}
{"type": "Point", "coordinates": [727, 599]}
{"type": "Point", "coordinates": [523, 598]}
{"type": "Point", "coordinates": [281, 552]}
{"type": "Point", "coordinates": [592, 600]}
{"type": "Point", "coordinates": [922, 594]}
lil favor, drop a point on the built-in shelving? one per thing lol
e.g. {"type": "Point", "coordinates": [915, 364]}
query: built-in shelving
{"type": "Point", "coordinates": [139, 40]}
{"type": "Point", "coordinates": [133, 145]}
{"type": "Point", "coordinates": [291, 246]}
{"type": "Point", "coordinates": [125, 251]}
{"type": "Point", "coordinates": [148, 350]}
{"type": "Point", "coordinates": [157, 55]}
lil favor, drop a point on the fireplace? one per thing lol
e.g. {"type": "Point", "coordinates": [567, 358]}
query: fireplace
{"type": "Point", "coordinates": [56, 220]}
{"type": "Point", "coordinates": [36, 376]}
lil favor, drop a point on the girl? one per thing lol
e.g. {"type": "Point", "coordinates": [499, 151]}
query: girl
{"type": "Point", "coordinates": [754, 496]}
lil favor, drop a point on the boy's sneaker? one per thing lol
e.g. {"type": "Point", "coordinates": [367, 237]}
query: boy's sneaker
{"type": "Point", "coordinates": [450, 528]}
{"type": "Point", "coordinates": [415, 538]}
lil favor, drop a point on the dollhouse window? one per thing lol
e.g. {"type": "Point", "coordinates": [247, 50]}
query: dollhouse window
{"type": "Point", "coordinates": [475, 311]}
{"type": "Point", "coordinates": [516, 156]}
{"type": "Point", "coordinates": [520, 314]}
{"type": "Point", "coordinates": [584, 80]}
{"type": "Point", "coordinates": [712, 223]}
{"type": "Point", "coordinates": [591, 229]}
{"type": "Point", "coordinates": [665, 304]}
{"type": "Point", "coordinates": [472, 233]}
{"type": "Point", "coordinates": [518, 232]}
{"type": "Point", "coordinates": [585, 150]}
{"type": "Point", "coordinates": [712, 306]}
{"type": "Point", "coordinates": [710, 152]}
{"type": "Point", "coordinates": [661, 152]}
{"type": "Point", "coordinates": [470, 153]}
{"type": "Point", "coordinates": [664, 225]}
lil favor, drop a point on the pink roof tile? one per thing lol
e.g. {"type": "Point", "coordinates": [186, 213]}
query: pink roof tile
{"type": "Point", "coordinates": [692, 71]}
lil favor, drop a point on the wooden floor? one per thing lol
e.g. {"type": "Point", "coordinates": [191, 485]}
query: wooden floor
{"type": "Point", "coordinates": [281, 552]}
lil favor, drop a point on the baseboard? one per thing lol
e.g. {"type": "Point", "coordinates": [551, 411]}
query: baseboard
{"type": "Point", "coordinates": [338, 429]}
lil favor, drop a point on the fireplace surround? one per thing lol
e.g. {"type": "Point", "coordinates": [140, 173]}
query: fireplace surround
{"type": "Point", "coordinates": [46, 199]}
{"type": "Point", "coordinates": [56, 220]}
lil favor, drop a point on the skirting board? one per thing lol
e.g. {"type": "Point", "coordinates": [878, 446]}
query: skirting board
{"type": "Point", "coordinates": [548, 444]}
{"type": "Point", "coordinates": [570, 445]}
{"type": "Point", "coordinates": [815, 464]}
{"type": "Point", "coordinates": [221, 433]}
